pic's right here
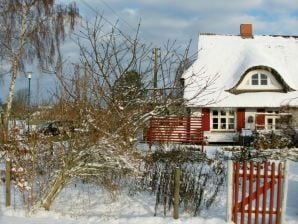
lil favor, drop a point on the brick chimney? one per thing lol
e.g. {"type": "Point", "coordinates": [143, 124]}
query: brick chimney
{"type": "Point", "coordinates": [246, 31]}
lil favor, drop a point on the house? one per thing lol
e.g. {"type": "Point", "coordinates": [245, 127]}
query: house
{"type": "Point", "coordinates": [242, 82]}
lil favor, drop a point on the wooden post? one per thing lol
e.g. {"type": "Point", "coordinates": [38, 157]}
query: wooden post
{"type": "Point", "coordinates": [258, 193]}
{"type": "Point", "coordinates": [251, 183]}
{"type": "Point", "coordinates": [230, 191]}
{"type": "Point", "coordinates": [188, 128]}
{"type": "Point", "coordinates": [243, 192]}
{"type": "Point", "coordinates": [264, 209]}
{"type": "Point", "coordinates": [176, 193]}
{"type": "Point", "coordinates": [271, 207]}
{"type": "Point", "coordinates": [279, 192]}
{"type": "Point", "coordinates": [150, 134]}
{"type": "Point", "coordinates": [7, 182]}
{"type": "Point", "coordinates": [236, 192]}
{"type": "Point", "coordinates": [284, 193]}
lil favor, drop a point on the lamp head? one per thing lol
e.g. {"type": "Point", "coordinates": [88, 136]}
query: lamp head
{"type": "Point", "coordinates": [29, 75]}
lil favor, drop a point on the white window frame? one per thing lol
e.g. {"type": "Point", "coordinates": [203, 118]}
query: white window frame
{"type": "Point", "coordinates": [274, 115]}
{"type": "Point", "coordinates": [259, 80]}
{"type": "Point", "coordinates": [261, 77]}
{"type": "Point", "coordinates": [223, 114]}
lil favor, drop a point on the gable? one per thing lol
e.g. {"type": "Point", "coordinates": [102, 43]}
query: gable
{"type": "Point", "coordinates": [260, 79]}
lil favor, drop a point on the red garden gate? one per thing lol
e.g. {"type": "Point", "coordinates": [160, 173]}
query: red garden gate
{"type": "Point", "coordinates": [176, 130]}
{"type": "Point", "coordinates": [257, 192]}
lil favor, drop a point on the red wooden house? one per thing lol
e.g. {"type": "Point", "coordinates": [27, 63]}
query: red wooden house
{"type": "Point", "coordinates": [242, 82]}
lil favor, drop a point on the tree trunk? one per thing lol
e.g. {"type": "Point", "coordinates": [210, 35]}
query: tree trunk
{"type": "Point", "coordinates": [15, 67]}
{"type": "Point", "coordinates": [10, 94]}
{"type": "Point", "coordinates": [54, 190]}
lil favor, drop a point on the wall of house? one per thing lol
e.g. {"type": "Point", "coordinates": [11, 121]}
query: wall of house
{"type": "Point", "coordinates": [214, 136]}
{"type": "Point", "coordinates": [221, 136]}
{"type": "Point", "coordinates": [250, 118]}
{"type": "Point", "coordinates": [196, 112]}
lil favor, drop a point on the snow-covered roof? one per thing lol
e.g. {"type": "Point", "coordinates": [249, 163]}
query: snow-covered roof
{"type": "Point", "coordinates": [223, 60]}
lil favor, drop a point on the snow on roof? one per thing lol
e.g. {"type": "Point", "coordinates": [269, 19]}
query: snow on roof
{"type": "Point", "coordinates": [223, 59]}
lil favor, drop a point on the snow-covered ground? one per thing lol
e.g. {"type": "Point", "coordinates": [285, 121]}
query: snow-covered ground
{"type": "Point", "coordinates": [88, 204]}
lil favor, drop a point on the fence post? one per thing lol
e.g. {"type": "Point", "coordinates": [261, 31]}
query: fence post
{"type": "Point", "coordinates": [230, 191]}
{"type": "Point", "coordinates": [176, 193]}
{"type": "Point", "coordinates": [150, 134]}
{"type": "Point", "coordinates": [284, 193]}
{"type": "Point", "coordinates": [7, 182]}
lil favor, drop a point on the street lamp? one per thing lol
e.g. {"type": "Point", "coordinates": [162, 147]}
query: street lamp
{"type": "Point", "coordinates": [29, 75]}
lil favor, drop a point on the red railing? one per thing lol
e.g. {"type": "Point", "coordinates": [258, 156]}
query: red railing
{"type": "Point", "coordinates": [257, 192]}
{"type": "Point", "coordinates": [176, 130]}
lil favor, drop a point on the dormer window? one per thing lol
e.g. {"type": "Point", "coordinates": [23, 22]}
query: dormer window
{"type": "Point", "coordinates": [259, 79]}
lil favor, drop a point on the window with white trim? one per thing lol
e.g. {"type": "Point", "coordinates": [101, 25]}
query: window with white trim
{"type": "Point", "coordinates": [223, 120]}
{"type": "Point", "coordinates": [259, 79]}
{"type": "Point", "coordinates": [272, 120]}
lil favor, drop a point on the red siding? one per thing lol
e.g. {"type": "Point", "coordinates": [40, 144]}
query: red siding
{"type": "Point", "coordinates": [240, 119]}
{"type": "Point", "coordinates": [260, 119]}
{"type": "Point", "coordinates": [206, 119]}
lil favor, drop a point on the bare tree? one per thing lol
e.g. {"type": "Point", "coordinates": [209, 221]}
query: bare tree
{"type": "Point", "coordinates": [20, 102]}
{"type": "Point", "coordinates": [107, 58]}
{"type": "Point", "coordinates": [31, 30]}
{"type": "Point", "coordinates": [108, 98]}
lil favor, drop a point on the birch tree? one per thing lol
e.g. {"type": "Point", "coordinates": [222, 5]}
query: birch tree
{"type": "Point", "coordinates": [31, 30]}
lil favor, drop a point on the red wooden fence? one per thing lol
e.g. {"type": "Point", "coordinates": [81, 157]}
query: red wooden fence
{"type": "Point", "coordinates": [257, 192]}
{"type": "Point", "coordinates": [176, 130]}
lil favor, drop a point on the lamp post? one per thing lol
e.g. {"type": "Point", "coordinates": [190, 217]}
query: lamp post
{"type": "Point", "coordinates": [29, 75]}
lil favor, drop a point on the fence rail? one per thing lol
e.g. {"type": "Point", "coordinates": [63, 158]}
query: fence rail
{"type": "Point", "coordinates": [176, 130]}
{"type": "Point", "coordinates": [257, 192]}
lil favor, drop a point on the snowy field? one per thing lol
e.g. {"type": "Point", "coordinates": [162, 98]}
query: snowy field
{"type": "Point", "coordinates": [88, 204]}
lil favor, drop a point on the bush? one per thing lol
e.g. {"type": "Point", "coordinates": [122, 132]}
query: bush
{"type": "Point", "coordinates": [201, 179]}
{"type": "Point", "coordinates": [272, 141]}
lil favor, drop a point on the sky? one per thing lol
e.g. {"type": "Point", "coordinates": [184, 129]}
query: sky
{"type": "Point", "coordinates": [180, 20]}
{"type": "Point", "coordinates": [183, 20]}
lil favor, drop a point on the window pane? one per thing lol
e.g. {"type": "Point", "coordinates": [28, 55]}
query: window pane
{"type": "Point", "coordinates": [215, 123]}
{"type": "Point", "coordinates": [264, 79]}
{"type": "Point", "coordinates": [222, 112]}
{"type": "Point", "coordinates": [223, 123]}
{"type": "Point", "coordinates": [269, 120]}
{"type": "Point", "coordinates": [254, 82]}
{"type": "Point", "coordinates": [263, 76]}
{"type": "Point", "coordinates": [231, 120]}
{"type": "Point", "coordinates": [223, 126]}
{"type": "Point", "coordinates": [255, 79]}
{"type": "Point", "coordinates": [264, 82]}
{"type": "Point", "coordinates": [215, 113]}
{"type": "Point", "coordinates": [231, 126]}
{"type": "Point", "coordinates": [277, 123]}
{"type": "Point", "coordinates": [231, 112]}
